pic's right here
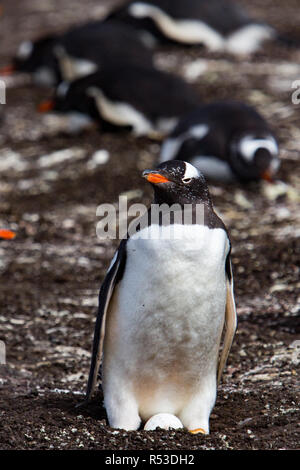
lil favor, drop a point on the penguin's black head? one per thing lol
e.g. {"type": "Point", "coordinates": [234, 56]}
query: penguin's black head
{"type": "Point", "coordinates": [178, 182]}
{"type": "Point", "coordinates": [71, 97]}
{"type": "Point", "coordinates": [39, 59]}
{"type": "Point", "coordinates": [254, 157]}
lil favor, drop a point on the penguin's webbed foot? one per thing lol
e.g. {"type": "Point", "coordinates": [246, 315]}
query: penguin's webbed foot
{"type": "Point", "coordinates": [197, 431]}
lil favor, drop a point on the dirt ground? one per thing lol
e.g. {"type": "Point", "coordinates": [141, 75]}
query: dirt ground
{"type": "Point", "coordinates": [51, 185]}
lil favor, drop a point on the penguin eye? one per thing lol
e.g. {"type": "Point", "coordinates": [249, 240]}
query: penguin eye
{"type": "Point", "coordinates": [186, 180]}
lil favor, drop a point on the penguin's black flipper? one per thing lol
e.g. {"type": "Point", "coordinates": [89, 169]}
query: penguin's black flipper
{"type": "Point", "coordinates": [230, 319]}
{"type": "Point", "coordinates": [113, 275]}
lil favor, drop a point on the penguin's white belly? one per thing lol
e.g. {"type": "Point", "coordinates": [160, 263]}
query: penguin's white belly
{"type": "Point", "coordinates": [166, 318]}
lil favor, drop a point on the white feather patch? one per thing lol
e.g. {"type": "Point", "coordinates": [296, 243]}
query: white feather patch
{"type": "Point", "coordinates": [248, 39]}
{"type": "Point", "coordinates": [169, 149]}
{"type": "Point", "coordinates": [166, 125]}
{"type": "Point", "coordinates": [274, 166]}
{"type": "Point", "coordinates": [213, 168]}
{"type": "Point", "coordinates": [121, 114]}
{"type": "Point", "coordinates": [248, 146]}
{"type": "Point", "coordinates": [172, 145]}
{"type": "Point", "coordinates": [186, 31]}
{"type": "Point", "coordinates": [73, 67]}
{"type": "Point", "coordinates": [25, 49]}
{"type": "Point", "coordinates": [62, 89]}
{"type": "Point", "coordinates": [82, 67]}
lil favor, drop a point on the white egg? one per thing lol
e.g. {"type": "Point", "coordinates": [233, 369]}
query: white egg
{"type": "Point", "coordinates": [163, 421]}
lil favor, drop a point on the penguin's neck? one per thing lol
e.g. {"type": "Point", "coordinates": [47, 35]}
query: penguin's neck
{"type": "Point", "coordinates": [170, 198]}
{"type": "Point", "coordinates": [200, 210]}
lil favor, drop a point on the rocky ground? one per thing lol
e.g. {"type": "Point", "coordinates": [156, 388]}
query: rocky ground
{"type": "Point", "coordinates": [51, 185]}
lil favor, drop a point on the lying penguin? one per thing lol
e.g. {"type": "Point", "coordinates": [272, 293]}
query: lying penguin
{"type": "Point", "coordinates": [79, 51]}
{"type": "Point", "coordinates": [162, 308]}
{"type": "Point", "coordinates": [143, 99]}
{"type": "Point", "coordinates": [219, 25]}
{"type": "Point", "coordinates": [226, 141]}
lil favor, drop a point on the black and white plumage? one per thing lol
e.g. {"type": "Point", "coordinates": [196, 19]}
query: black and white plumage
{"type": "Point", "coordinates": [144, 99]}
{"type": "Point", "coordinates": [220, 25]}
{"type": "Point", "coordinates": [226, 141]}
{"type": "Point", "coordinates": [162, 307]}
{"type": "Point", "coordinates": [80, 51]}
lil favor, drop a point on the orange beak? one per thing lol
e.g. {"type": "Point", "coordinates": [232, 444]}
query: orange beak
{"type": "Point", "coordinates": [7, 234]}
{"type": "Point", "coordinates": [46, 106]}
{"type": "Point", "coordinates": [7, 70]}
{"type": "Point", "coordinates": [267, 176]}
{"type": "Point", "coordinates": [155, 177]}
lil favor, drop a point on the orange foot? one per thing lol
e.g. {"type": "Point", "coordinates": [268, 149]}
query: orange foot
{"type": "Point", "coordinates": [197, 431]}
{"type": "Point", "coordinates": [7, 234]}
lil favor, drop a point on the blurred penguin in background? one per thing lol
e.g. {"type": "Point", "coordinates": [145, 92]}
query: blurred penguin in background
{"type": "Point", "coordinates": [219, 25]}
{"type": "Point", "coordinates": [226, 141]}
{"type": "Point", "coordinates": [146, 101]}
{"type": "Point", "coordinates": [78, 52]}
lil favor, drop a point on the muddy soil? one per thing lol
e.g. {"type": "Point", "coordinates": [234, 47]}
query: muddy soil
{"type": "Point", "coordinates": [51, 185]}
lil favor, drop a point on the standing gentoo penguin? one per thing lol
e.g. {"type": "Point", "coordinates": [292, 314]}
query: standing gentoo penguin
{"type": "Point", "coordinates": [219, 25]}
{"type": "Point", "coordinates": [80, 51]}
{"type": "Point", "coordinates": [162, 307]}
{"type": "Point", "coordinates": [225, 141]}
{"type": "Point", "coordinates": [144, 99]}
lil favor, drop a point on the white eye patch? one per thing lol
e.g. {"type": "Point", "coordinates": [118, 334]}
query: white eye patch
{"type": "Point", "coordinates": [248, 146]}
{"type": "Point", "coordinates": [190, 172]}
{"type": "Point", "coordinates": [25, 49]}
